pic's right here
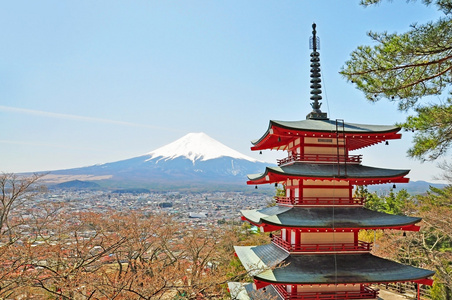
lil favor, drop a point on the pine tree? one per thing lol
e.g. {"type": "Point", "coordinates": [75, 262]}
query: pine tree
{"type": "Point", "coordinates": [406, 67]}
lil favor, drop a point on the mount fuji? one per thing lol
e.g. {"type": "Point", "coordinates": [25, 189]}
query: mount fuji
{"type": "Point", "coordinates": [195, 161]}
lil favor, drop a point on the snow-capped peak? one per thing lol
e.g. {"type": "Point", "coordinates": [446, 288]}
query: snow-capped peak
{"type": "Point", "coordinates": [196, 146]}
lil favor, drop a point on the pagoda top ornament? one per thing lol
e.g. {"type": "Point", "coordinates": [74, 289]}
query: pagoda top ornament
{"type": "Point", "coordinates": [314, 44]}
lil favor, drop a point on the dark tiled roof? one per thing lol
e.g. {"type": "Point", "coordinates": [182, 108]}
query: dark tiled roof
{"type": "Point", "coordinates": [330, 126]}
{"type": "Point", "coordinates": [326, 217]}
{"type": "Point", "coordinates": [257, 261]}
{"type": "Point", "coordinates": [351, 268]}
{"type": "Point", "coordinates": [340, 268]}
{"type": "Point", "coordinates": [308, 170]}
{"type": "Point", "coordinates": [268, 292]}
{"type": "Point", "coordinates": [270, 254]}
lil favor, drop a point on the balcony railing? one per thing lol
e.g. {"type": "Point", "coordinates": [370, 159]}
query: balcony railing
{"type": "Point", "coordinates": [320, 200]}
{"type": "Point", "coordinates": [321, 158]}
{"type": "Point", "coordinates": [360, 246]}
{"type": "Point", "coordinates": [364, 293]}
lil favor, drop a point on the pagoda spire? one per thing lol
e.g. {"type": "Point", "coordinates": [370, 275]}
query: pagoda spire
{"type": "Point", "coordinates": [314, 44]}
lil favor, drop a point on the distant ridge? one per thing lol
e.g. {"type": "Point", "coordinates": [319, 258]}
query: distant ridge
{"type": "Point", "coordinates": [77, 184]}
{"type": "Point", "coordinates": [413, 187]}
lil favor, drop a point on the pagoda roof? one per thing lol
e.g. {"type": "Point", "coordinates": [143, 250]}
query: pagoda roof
{"type": "Point", "coordinates": [324, 269]}
{"type": "Point", "coordinates": [276, 217]}
{"type": "Point", "coordinates": [330, 126]}
{"type": "Point", "coordinates": [246, 291]}
{"type": "Point", "coordinates": [239, 290]}
{"type": "Point", "coordinates": [355, 173]}
{"type": "Point", "coordinates": [280, 133]}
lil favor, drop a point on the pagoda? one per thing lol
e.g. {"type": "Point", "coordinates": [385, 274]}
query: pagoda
{"type": "Point", "coordinates": [315, 252]}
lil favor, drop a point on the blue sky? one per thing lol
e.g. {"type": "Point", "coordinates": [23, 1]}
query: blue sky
{"type": "Point", "coordinates": [86, 82]}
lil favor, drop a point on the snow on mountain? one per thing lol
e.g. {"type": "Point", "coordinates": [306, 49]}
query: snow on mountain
{"type": "Point", "coordinates": [196, 146]}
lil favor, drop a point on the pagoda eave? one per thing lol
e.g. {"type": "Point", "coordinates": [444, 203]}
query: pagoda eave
{"type": "Point", "coordinates": [269, 227]}
{"type": "Point", "coordinates": [259, 283]}
{"type": "Point", "coordinates": [270, 264]}
{"type": "Point", "coordinates": [353, 173]}
{"type": "Point", "coordinates": [355, 181]}
{"type": "Point", "coordinates": [278, 137]}
{"type": "Point", "coordinates": [263, 282]}
{"type": "Point", "coordinates": [270, 177]}
{"type": "Point", "coordinates": [319, 219]}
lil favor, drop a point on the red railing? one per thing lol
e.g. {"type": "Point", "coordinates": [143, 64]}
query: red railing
{"type": "Point", "coordinates": [360, 246]}
{"type": "Point", "coordinates": [321, 158]}
{"type": "Point", "coordinates": [364, 293]}
{"type": "Point", "coordinates": [320, 200]}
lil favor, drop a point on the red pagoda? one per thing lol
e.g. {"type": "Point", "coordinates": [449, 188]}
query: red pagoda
{"type": "Point", "coordinates": [315, 251]}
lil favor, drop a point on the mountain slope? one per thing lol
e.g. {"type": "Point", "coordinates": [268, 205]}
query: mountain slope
{"type": "Point", "coordinates": [195, 160]}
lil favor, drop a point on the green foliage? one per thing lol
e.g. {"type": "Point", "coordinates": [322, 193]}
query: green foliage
{"type": "Point", "coordinates": [443, 5]}
{"type": "Point", "coordinates": [280, 192]}
{"type": "Point", "coordinates": [406, 67]}
{"type": "Point", "coordinates": [237, 271]}
{"type": "Point", "coordinates": [393, 203]}
{"type": "Point", "coordinates": [370, 236]}
{"type": "Point", "coordinates": [397, 202]}
{"type": "Point", "coordinates": [437, 197]}
{"type": "Point", "coordinates": [437, 291]}
{"type": "Point", "coordinates": [433, 126]}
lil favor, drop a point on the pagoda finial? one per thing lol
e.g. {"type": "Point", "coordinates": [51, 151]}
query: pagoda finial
{"type": "Point", "coordinates": [314, 40]}
{"type": "Point", "coordinates": [314, 44]}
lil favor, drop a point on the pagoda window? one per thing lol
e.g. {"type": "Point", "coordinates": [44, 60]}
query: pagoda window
{"type": "Point", "coordinates": [300, 150]}
{"type": "Point", "coordinates": [292, 237]}
{"type": "Point", "coordinates": [283, 234]}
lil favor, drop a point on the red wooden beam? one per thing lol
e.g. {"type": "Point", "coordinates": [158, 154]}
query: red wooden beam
{"type": "Point", "coordinates": [425, 281]}
{"type": "Point", "coordinates": [260, 284]}
{"type": "Point", "coordinates": [277, 137]}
